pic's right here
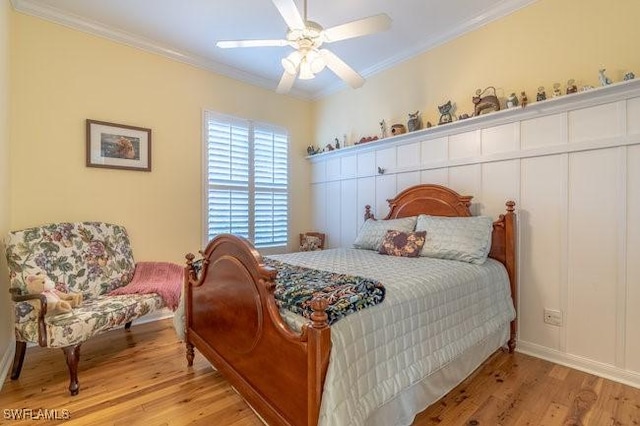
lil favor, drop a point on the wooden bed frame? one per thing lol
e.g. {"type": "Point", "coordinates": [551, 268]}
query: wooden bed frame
{"type": "Point", "coordinates": [233, 320]}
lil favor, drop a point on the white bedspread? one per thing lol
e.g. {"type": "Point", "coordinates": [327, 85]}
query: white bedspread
{"type": "Point", "coordinates": [433, 311]}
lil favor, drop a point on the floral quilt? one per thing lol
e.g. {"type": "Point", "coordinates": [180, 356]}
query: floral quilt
{"type": "Point", "coordinates": [296, 286]}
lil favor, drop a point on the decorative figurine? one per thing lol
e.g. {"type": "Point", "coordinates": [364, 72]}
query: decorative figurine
{"type": "Point", "coordinates": [429, 124]}
{"type": "Point", "coordinates": [311, 150]}
{"type": "Point", "coordinates": [556, 90]}
{"type": "Point", "coordinates": [381, 170]}
{"type": "Point", "coordinates": [571, 87]}
{"type": "Point", "coordinates": [398, 129]}
{"type": "Point", "coordinates": [485, 103]}
{"type": "Point", "coordinates": [445, 113]}
{"type": "Point", "coordinates": [542, 95]}
{"type": "Point", "coordinates": [344, 140]}
{"type": "Point", "coordinates": [383, 129]}
{"type": "Point", "coordinates": [523, 99]}
{"type": "Point", "coordinates": [337, 143]}
{"type": "Point", "coordinates": [586, 87]}
{"type": "Point", "coordinates": [329, 147]}
{"type": "Point", "coordinates": [414, 123]}
{"type": "Point", "coordinates": [464, 116]}
{"type": "Point", "coordinates": [629, 76]}
{"type": "Point", "coordinates": [512, 101]}
{"type": "Point", "coordinates": [604, 80]}
{"type": "Point", "coordinates": [367, 139]}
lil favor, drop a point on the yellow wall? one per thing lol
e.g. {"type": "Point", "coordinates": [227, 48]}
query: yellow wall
{"type": "Point", "coordinates": [547, 42]}
{"type": "Point", "coordinates": [62, 77]}
{"type": "Point", "coordinates": [6, 330]}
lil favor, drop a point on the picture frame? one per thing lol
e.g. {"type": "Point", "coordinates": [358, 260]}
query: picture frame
{"type": "Point", "coordinates": [118, 146]}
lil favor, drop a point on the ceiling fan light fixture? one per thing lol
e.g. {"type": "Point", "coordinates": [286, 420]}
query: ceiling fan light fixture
{"type": "Point", "coordinates": [316, 61]}
{"type": "Point", "coordinates": [305, 70]}
{"type": "Point", "coordinates": [292, 62]}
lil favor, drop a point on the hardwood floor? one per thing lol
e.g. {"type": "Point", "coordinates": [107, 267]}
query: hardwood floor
{"type": "Point", "coordinates": [141, 378]}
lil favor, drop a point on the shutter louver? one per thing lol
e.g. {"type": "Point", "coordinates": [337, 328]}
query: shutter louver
{"type": "Point", "coordinates": [247, 175]}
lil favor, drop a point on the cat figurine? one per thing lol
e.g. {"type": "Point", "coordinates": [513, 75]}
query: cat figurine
{"type": "Point", "coordinates": [445, 113]}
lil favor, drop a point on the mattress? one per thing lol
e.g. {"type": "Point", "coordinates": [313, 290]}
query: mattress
{"type": "Point", "coordinates": [435, 312]}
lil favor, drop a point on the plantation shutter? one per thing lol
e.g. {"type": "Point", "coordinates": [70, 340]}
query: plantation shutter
{"type": "Point", "coordinates": [247, 180]}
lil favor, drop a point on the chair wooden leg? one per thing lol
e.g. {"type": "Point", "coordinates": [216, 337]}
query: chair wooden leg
{"type": "Point", "coordinates": [18, 359]}
{"type": "Point", "coordinates": [190, 354]}
{"type": "Point", "coordinates": [127, 326]}
{"type": "Point", "coordinates": [72, 355]}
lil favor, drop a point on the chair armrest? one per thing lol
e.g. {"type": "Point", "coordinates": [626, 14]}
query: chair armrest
{"type": "Point", "coordinates": [42, 330]}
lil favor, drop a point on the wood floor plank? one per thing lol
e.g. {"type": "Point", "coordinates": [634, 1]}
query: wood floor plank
{"type": "Point", "coordinates": [141, 378]}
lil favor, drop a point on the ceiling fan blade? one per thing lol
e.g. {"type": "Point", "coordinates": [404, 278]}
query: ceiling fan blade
{"type": "Point", "coordinates": [341, 69]}
{"type": "Point", "coordinates": [370, 25]}
{"type": "Point", "coordinates": [226, 44]}
{"type": "Point", "coordinates": [286, 83]}
{"type": "Point", "coordinates": [290, 13]}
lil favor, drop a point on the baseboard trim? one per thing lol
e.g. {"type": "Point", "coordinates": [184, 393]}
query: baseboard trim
{"type": "Point", "coordinates": [7, 361]}
{"type": "Point", "coordinates": [606, 371]}
{"type": "Point", "coordinates": [161, 314]}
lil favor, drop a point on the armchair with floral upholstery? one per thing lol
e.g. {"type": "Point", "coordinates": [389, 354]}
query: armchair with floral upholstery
{"type": "Point", "coordinates": [91, 258]}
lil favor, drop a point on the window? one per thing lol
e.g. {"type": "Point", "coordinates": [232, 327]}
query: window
{"type": "Point", "coordinates": [246, 170]}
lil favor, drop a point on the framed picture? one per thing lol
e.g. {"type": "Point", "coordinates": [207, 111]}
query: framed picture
{"type": "Point", "coordinates": [118, 146]}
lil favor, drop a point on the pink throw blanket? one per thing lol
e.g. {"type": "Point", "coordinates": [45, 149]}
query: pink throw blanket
{"type": "Point", "coordinates": [163, 278]}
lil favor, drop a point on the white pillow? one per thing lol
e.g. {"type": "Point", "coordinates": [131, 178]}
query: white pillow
{"type": "Point", "coordinates": [373, 231]}
{"type": "Point", "coordinates": [467, 239]}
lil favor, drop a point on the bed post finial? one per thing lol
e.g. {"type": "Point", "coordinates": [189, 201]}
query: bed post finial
{"type": "Point", "coordinates": [319, 317]}
{"type": "Point", "coordinates": [367, 212]}
{"type": "Point", "coordinates": [510, 206]}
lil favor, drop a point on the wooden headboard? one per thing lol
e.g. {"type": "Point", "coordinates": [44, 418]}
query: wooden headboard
{"type": "Point", "coordinates": [436, 200]}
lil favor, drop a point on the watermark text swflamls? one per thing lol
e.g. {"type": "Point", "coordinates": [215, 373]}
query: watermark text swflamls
{"type": "Point", "coordinates": [35, 414]}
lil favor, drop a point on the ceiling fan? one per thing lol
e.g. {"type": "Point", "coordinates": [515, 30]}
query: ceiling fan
{"type": "Point", "coordinates": [306, 37]}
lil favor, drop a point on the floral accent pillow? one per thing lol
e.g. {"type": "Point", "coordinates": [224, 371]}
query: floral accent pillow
{"type": "Point", "coordinates": [405, 244]}
{"type": "Point", "coordinates": [373, 231]}
{"type": "Point", "coordinates": [311, 243]}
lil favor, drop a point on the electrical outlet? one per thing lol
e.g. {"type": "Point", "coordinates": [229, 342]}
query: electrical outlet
{"type": "Point", "coordinates": [553, 317]}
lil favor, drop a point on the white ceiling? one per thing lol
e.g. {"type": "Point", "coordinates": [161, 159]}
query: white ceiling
{"type": "Point", "coordinates": [187, 31]}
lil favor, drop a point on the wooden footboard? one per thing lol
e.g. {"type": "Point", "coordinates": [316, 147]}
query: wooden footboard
{"type": "Point", "coordinates": [232, 319]}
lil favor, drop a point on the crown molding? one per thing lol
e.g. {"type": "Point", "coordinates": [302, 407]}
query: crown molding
{"type": "Point", "coordinates": [79, 23]}
{"type": "Point", "coordinates": [500, 11]}
{"type": "Point", "coordinates": [85, 25]}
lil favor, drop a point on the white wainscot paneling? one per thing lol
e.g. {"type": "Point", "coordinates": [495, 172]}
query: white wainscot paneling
{"type": "Point", "coordinates": [349, 166]}
{"type": "Point", "coordinates": [541, 227]}
{"type": "Point", "coordinates": [434, 150]}
{"type": "Point", "coordinates": [500, 182]}
{"type": "Point", "coordinates": [544, 131]}
{"type": "Point", "coordinates": [632, 353]}
{"type": "Point", "coordinates": [464, 145]}
{"type": "Point", "coordinates": [366, 196]}
{"type": "Point", "coordinates": [405, 180]}
{"type": "Point", "coordinates": [333, 169]}
{"type": "Point", "coordinates": [435, 176]}
{"type": "Point", "coordinates": [465, 180]}
{"type": "Point", "coordinates": [633, 116]}
{"type": "Point", "coordinates": [318, 171]}
{"type": "Point", "coordinates": [593, 254]}
{"type": "Point", "coordinates": [408, 155]}
{"type": "Point", "coordinates": [505, 138]}
{"type": "Point", "coordinates": [319, 207]}
{"type": "Point", "coordinates": [348, 212]}
{"type": "Point", "coordinates": [386, 159]}
{"type": "Point", "coordinates": [333, 209]}
{"type": "Point", "coordinates": [385, 189]}
{"type": "Point", "coordinates": [599, 122]}
{"type": "Point", "coordinates": [367, 164]}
